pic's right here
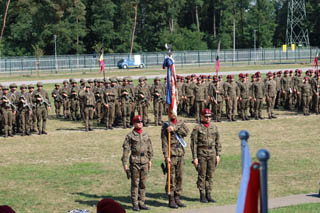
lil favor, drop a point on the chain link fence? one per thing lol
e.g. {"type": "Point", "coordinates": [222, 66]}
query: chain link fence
{"type": "Point", "coordinates": [73, 63]}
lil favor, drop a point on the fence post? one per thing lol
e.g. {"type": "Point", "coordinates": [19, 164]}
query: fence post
{"type": "Point", "coordinates": [5, 65]}
{"type": "Point", "coordinates": [263, 156]}
{"type": "Point", "coordinates": [199, 57]}
{"type": "Point", "coordinates": [310, 54]}
{"type": "Point", "coordinates": [181, 56]}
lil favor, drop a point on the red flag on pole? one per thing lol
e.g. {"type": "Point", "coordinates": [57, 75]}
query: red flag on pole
{"type": "Point", "coordinates": [101, 63]}
{"type": "Point", "coordinates": [217, 66]}
{"type": "Point", "coordinates": [253, 190]}
{"type": "Point", "coordinates": [315, 63]}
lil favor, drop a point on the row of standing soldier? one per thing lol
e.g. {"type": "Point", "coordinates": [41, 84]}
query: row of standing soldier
{"type": "Point", "coordinates": [23, 112]}
{"type": "Point", "coordinates": [118, 100]}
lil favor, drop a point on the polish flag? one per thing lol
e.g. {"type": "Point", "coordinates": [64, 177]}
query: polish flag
{"type": "Point", "coordinates": [315, 63]}
{"type": "Point", "coordinates": [249, 194]}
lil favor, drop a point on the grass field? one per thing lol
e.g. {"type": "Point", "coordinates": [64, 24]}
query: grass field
{"type": "Point", "coordinates": [72, 169]}
{"type": "Point", "coordinates": [305, 208]}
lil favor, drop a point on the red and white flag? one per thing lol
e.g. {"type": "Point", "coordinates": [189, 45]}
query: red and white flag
{"type": "Point", "coordinates": [249, 194]}
{"type": "Point", "coordinates": [172, 92]}
{"type": "Point", "coordinates": [101, 63]}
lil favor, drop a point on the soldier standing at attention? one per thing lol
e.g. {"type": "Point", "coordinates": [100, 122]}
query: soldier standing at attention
{"type": "Point", "coordinates": [316, 89]}
{"type": "Point", "coordinates": [177, 157]}
{"type": "Point", "coordinates": [200, 93]}
{"type": "Point", "coordinates": [142, 97]}
{"type": "Point", "coordinates": [33, 120]}
{"type": "Point", "coordinates": [158, 99]}
{"type": "Point", "coordinates": [41, 99]}
{"type": "Point", "coordinates": [64, 92]}
{"type": "Point", "coordinates": [25, 110]}
{"type": "Point", "coordinates": [271, 93]}
{"type": "Point", "coordinates": [306, 93]}
{"type": "Point", "coordinates": [206, 149]}
{"type": "Point", "coordinates": [8, 110]}
{"type": "Point", "coordinates": [231, 90]}
{"type": "Point", "coordinates": [89, 103]}
{"type": "Point", "coordinates": [125, 102]}
{"type": "Point", "coordinates": [216, 93]}
{"type": "Point", "coordinates": [258, 93]}
{"type": "Point", "coordinates": [245, 97]}
{"type": "Point", "coordinates": [138, 144]}
{"type": "Point", "coordinates": [57, 99]}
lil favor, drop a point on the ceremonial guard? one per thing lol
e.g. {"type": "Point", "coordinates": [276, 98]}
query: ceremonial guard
{"type": "Point", "coordinates": [271, 93]}
{"type": "Point", "coordinates": [142, 97]}
{"type": "Point", "coordinates": [57, 100]}
{"type": "Point", "coordinates": [8, 110]}
{"type": "Point", "coordinates": [206, 149]}
{"type": "Point", "coordinates": [158, 99]}
{"type": "Point", "coordinates": [89, 103]}
{"type": "Point", "coordinates": [178, 130]}
{"type": "Point", "coordinates": [231, 91]}
{"type": "Point", "coordinates": [138, 144]}
{"type": "Point", "coordinates": [306, 93]}
{"type": "Point", "coordinates": [258, 94]}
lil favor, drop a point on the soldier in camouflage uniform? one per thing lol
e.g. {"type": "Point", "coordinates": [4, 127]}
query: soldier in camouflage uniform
{"type": "Point", "coordinates": [15, 94]}
{"type": "Point", "coordinates": [74, 100]}
{"type": "Point", "coordinates": [286, 87]}
{"type": "Point", "coordinates": [125, 103]}
{"type": "Point", "coordinates": [8, 110]}
{"type": "Point", "coordinates": [298, 80]}
{"type": "Point", "coordinates": [306, 93]}
{"type": "Point", "coordinates": [25, 110]}
{"type": "Point", "coordinates": [99, 92]}
{"type": "Point", "coordinates": [200, 93]}
{"type": "Point", "coordinates": [138, 144]}
{"type": "Point", "coordinates": [89, 101]}
{"type": "Point", "coordinates": [57, 100]}
{"type": "Point", "coordinates": [258, 94]}
{"type": "Point", "coordinates": [205, 149]}
{"type": "Point", "coordinates": [231, 91]}
{"type": "Point", "coordinates": [270, 92]}
{"type": "Point", "coordinates": [177, 157]}
{"type": "Point", "coordinates": [278, 83]}
{"type": "Point", "coordinates": [187, 90]}
{"type": "Point", "coordinates": [33, 120]}
{"type": "Point", "coordinates": [245, 97]}
{"type": "Point", "coordinates": [110, 98]}
{"type": "Point", "coordinates": [216, 93]}
{"type": "Point", "coordinates": [158, 99]}
{"type": "Point", "coordinates": [42, 103]}
{"type": "Point", "coordinates": [142, 97]}
{"type": "Point", "coordinates": [252, 103]}
{"type": "Point", "coordinates": [64, 93]}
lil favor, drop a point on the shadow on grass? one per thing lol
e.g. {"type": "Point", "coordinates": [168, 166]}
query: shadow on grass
{"type": "Point", "coordinates": [153, 202]}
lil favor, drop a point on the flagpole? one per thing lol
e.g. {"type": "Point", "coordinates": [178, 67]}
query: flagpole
{"type": "Point", "coordinates": [169, 163]}
{"type": "Point", "coordinates": [263, 156]}
{"type": "Point", "coordinates": [244, 136]}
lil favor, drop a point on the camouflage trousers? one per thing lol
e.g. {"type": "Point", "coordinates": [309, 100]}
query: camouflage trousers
{"type": "Point", "coordinates": [74, 109]}
{"type": "Point", "coordinates": [231, 107]}
{"type": "Point", "coordinates": [176, 175]}
{"type": "Point", "coordinates": [189, 105]}
{"type": "Point", "coordinates": [66, 108]}
{"type": "Point", "coordinates": [270, 105]}
{"type": "Point", "coordinates": [217, 110]}
{"type": "Point", "coordinates": [244, 103]}
{"type": "Point", "coordinates": [316, 104]}
{"type": "Point", "coordinates": [142, 109]}
{"type": "Point", "coordinates": [206, 167]}
{"type": "Point", "coordinates": [98, 111]}
{"type": "Point", "coordinates": [109, 114]}
{"type": "Point", "coordinates": [306, 104]}
{"type": "Point", "coordinates": [125, 114]}
{"type": "Point", "coordinates": [139, 173]}
{"type": "Point", "coordinates": [199, 105]}
{"type": "Point", "coordinates": [88, 113]}
{"type": "Point", "coordinates": [157, 110]}
{"type": "Point", "coordinates": [258, 107]}
{"type": "Point", "coordinates": [57, 107]}
{"type": "Point", "coordinates": [7, 116]}
{"type": "Point", "coordinates": [42, 115]}
{"type": "Point", "coordinates": [24, 120]}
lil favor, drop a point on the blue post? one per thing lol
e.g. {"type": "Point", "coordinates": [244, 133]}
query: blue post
{"type": "Point", "coordinates": [244, 136]}
{"type": "Point", "coordinates": [263, 156]}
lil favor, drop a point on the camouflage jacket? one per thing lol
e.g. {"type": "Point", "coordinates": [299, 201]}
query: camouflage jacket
{"type": "Point", "coordinates": [205, 141]}
{"type": "Point", "coordinates": [271, 88]}
{"type": "Point", "coordinates": [139, 147]}
{"type": "Point", "coordinates": [176, 148]}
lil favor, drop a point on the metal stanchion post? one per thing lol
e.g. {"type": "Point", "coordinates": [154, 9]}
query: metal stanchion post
{"type": "Point", "coordinates": [263, 156]}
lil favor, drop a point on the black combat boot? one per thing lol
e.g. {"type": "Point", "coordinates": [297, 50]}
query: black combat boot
{"type": "Point", "coordinates": [209, 198]}
{"type": "Point", "coordinates": [172, 202]}
{"type": "Point", "coordinates": [136, 208]}
{"type": "Point", "coordinates": [203, 198]}
{"type": "Point", "coordinates": [178, 201]}
{"type": "Point", "coordinates": [143, 206]}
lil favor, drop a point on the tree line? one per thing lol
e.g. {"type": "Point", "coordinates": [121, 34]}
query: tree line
{"type": "Point", "coordinates": [83, 26]}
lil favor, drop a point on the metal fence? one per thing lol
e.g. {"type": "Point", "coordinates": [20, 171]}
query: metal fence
{"type": "Point", "coordinates": [72, 63]}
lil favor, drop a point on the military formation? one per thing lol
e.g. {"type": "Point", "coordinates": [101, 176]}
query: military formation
{"type": "Point", "coordinates": [23, 112]}
{"type": "Point", "coordinates": [205, 149]}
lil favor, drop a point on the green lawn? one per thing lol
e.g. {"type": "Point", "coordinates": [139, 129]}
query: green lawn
{"type": "Point", "coordinates": [304, 208]}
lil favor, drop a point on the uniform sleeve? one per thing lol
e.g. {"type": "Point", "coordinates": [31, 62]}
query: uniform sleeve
{"type": "Point", "coordinates": [164, 142]}
{"type": "Point", "coordinates": [194, 143]}
{"type": "Point", "coordinates": [126, 150]}
{"type": "Point", "coordinates": [182, 129]}
{"type": "Point", "coordinates": [218, 146]}
{"type": "Point", "coordinates": [150, 150]}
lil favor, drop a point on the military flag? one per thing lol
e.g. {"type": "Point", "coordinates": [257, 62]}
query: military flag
{"type": "Point", "coordinates": [315, 63]}
{"type": "Point", "coordinates": [248, 197]}
{"type": "Point", "coordinates": [217, 66]}
{"type": "Point", "coordinates": [101, 63]}
{"type": "Point", "coordinates": [171, 96]}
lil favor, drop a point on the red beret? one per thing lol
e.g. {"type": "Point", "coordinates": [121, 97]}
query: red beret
{"type": "Point", "coordinates": [109, 205]}
{"type": "Point", "coordinates": [136, 119]}
{"type": "Point", "coordinates": [286, 72]}
{"type": "Point", "coordinates": [240, 75]}
{"type": "Point", "coordinates": [206, 112]}
{"type": "Point", "coordinates": [253, 76]}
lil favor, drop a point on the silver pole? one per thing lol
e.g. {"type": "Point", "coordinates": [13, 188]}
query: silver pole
{"type": "Point", "coordinates": [244, 136]}
{"type": "Point", "coordinates": [55, 52]}
{"type": "Point", "coordinates": [255, 47]}
{"type": "Point", "coordinates": [263, 156]}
